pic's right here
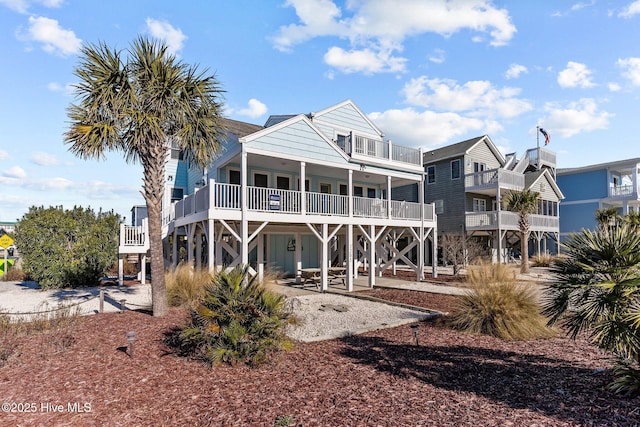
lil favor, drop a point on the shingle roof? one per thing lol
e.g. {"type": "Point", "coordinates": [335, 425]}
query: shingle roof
{"type": "Point", "coordinates": [453, 150]}
{"type": "Point", "coordinates": [239, 128]}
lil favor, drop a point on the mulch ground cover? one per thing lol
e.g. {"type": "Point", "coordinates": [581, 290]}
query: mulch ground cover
{"type": "Point", "coordinates": [83, 374]}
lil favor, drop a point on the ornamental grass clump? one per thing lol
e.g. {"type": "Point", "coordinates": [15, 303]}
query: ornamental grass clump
{"type": "Point", "coordinates": [498, 306]}
{"type": "Point", "coordinates": [186, 285]}
{"type": "Point", "coordinates": [238, 321]}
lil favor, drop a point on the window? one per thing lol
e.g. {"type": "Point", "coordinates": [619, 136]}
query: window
{"type": "Point", "coordinates": [282, 182]}
{"type": "Point", "coordinates": [306, 185]}
{"type": "Point", "coordinates": [479, 205]}
{"type": "Point", "coordinates": [325, 188]}
{"type": "Point", "coordinates": [177, 194]}
{"type": "Point", "coordinates": [371, 193]}
{"type": "Point", "coordinates": [439, 204]}
{"type": "Point", "coordinates": [260, 180]}
{"type": "Point", "coordinates": [455, 169]}
{"type": "Point", "coordinates": [234, 177]}
{"type": "Point", "coordinates": [343, 189]}
{"type": "Point", "coordinates": [342, 141]}
{"type": "Point", "coordinates": [357, 191]}
{"type": "Point", "coordinates": [478, 167]}
{"type": "Point", "coordinates": [431, 174]}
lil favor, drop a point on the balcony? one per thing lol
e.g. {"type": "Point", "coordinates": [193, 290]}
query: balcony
{"type": "Point", "coordinates": [383, 152]}
{"type": "Point", "coordinates": [134, 239]}
{"type": "Point", "coordinates": [487, 182]}
{"type": "Point", "coordinates": [219, 196]}
{"type": "Point", "coordinates": [488, 220]}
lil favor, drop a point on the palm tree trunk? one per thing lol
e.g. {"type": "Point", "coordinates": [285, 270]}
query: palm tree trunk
{"type": "Point", "coordinates": [524, 251]}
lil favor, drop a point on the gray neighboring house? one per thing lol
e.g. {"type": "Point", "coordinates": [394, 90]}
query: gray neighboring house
{"type": "Point", "coordinates": [465, 181]}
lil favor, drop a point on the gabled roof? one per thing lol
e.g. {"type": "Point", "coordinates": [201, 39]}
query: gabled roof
{"type": "Point", "coordinates": [354, 106]}
{"type": "Point", "coordinates": [460, 149]}
{"type": "Point", "coordinates": [600, 166]}
{"type": "Point", "coordinates": [531, 178]}
{"type": "Point", "coordinates": [239, 128]}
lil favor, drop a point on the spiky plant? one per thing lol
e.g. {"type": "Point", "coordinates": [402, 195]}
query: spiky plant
{"type": "Point", "coordinates": [238, 321]}
{"type": "Point", "coordinates": [597, 291]}
{"type": "Point", "coordinates": [496, 305]}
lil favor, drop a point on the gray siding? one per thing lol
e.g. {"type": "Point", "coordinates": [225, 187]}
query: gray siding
{"type": "Point", "coordinates": [452, 192]}
{"type": "Point", "coordinates": [347, 117]}
{"type": "Point", "coordinates": [481, 153]}
{"type": "Point", "coordinates": [408, 193]}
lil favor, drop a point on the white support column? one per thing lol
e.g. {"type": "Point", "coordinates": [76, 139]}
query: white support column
{"type": "Point", "coordinates": [303, 188]}
{"type": "Point", "coordinates": [211, 244]}
{"type": "Point", "coordinates": [501, 259]}
{"type": "Point", "coordinates": [434, 253]}
{"type": "Point", "coordinates": [143, 269]}
{"type": "Point", "coordinates": [244, 237]}
{"type": "Point", "coordinates": [198, 237]}
{"type": "Point", "coordinates": [350, 192]}
{"type": "Point", "coordinates": [297, 255]}
{"type": "Point", "coordinates": [372, 256]}
{"type": "Point", "coordinates": [389, 195]}
{"type": "Point", "coordinates": [350, 259]}
{"type": "Point", "coordinates": [421, 246]}
{"type": "Point", "coordinates": [260, 256]}
{"type": "Point", "coordinates": [634, 179]}
{"type": "Point", "coordinates": [190, 232]}
{"type": "Point", "coordinates": [324, 266]}
{"type": "Point", "coordinates": [120, 270]}
{"type": "Point", "coordinates": [174, 248]}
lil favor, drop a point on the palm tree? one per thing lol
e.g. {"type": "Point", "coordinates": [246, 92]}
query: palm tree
{"type": "Point", "coordinates": [607, 218]}
{"type": "Point", "coordinates": [633, 220]}
{"type": "Point", "coordinates": [139, 105]}
{"type": "Point", "coordinates": [597, 290]}
{"type": "Point", "coordinates": [523, 203]}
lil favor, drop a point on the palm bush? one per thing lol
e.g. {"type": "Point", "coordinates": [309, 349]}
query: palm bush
{"type": "Point", "coordinates": [186, 285]}
{"type": "Point", "coordinates": [498, 306]}
{"type": "Point", "coordinates": [597, 291]}
{"type": "Point", "coordinates": [542, 260]}
{"type": "Point", "coordinates": [238, 321]}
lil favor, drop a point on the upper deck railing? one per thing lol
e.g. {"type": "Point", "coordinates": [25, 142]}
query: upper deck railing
{"type": "Point", "coordinates": [384, 150]}
{"type": "Point", "coordinates": [494, 178]}
{"type": "Point", "coordinates": [272, 200]}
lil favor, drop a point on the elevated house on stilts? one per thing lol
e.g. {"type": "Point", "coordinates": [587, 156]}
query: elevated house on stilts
{"type": "Point", "coordinates": [306, 192]}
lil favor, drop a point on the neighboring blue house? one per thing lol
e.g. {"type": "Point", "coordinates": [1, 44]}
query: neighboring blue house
{"type": "Point", "coordinates": [593, 187]}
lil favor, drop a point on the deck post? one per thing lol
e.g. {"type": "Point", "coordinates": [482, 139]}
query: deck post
{"type": "Point", "coordinates": [351, 262]}
{"type": "Point", "coordinates": [372, 255]}
{"type": "Point", "coordinates": [324, 266]}
{"type": "Point", "coordinates": [211, 239]}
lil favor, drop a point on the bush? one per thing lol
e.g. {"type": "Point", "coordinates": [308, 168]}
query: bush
{"type": "Point", "coordinates": [15, 274]}
{"type": "Point", "coordinates": [542, 260]}
{"type": "Point", "coordinates": [61, 248]}
{"type": "Point", "coordinates": [186, 285]}
{"type": "Point", "coordinates": [495, 305]}
{"type": "Point", "coordinates": [597, 291]}
{"type": "Point", "coordinates": [238, 321]}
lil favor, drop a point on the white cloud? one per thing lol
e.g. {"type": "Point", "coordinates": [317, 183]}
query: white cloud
{"type": "Point", "coordinates": [255, 109]}
{"type": "Point", "coordinates": [424, 129]}
{"type": "Point", "coordinates": [364, 61]}
{"type": "Point", "coordinates": [44, 159]}
{"type": "Point", "coordinates": [376, 29]}
{"type": "Point", "coordinates": [173, 37]}
{"type": "Point", "coordinates": [478, 98]}
{"type": "Point", "coordinates": [53, 38]}
{"type": "Point", "coordinates": [22, 6]}
{"type": "Point", "coordinates": [631, 69]}
{"type": "Point", "coordinates": [515, 70]}
{"type": "Point", "coordinates": [438, 56]}
{"type": "Point", "coordinates": [15, 172]}
{"type": "Point", "coordinates": [631, 10]}
{"type": "Point", "coordinates": [48, 184]}
{"type": "Point", "coordinates": [4, 155]}
{"type": "Point", "coordinates": [577, 117]}
{"type": "Point", "coordinates": [614, 87]}
{"type": "Point", "coordinates": [575, 75]}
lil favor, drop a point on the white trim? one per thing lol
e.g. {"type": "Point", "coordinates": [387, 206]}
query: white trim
{"type": "Point", "coordinates": [260, 172]}
{"type": "Point", "coordinates": [581, 202]}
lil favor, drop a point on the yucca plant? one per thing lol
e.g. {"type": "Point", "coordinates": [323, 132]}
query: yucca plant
{"type": "Point", "coordinates": [597, 291]}
{"type": "Point", "coordinates": [238, 321]}
{"type": "Point", "coordinates": [186, 285]}
{"type": "Point", "coordinates": [498, 306]}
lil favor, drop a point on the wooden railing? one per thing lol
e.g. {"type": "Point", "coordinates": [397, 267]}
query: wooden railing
{"type": "Point", "coordinates": [135, 235]}
{"type": "Point", "coordinates": [374, 148]}
{"type": "Point", "coordinates": [509, 220]}
{"type": "Point", "coordinates": [494, 178]}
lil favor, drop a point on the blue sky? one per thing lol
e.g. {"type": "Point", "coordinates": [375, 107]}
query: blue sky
{"type": "Point", "coordinates": [429, 73]}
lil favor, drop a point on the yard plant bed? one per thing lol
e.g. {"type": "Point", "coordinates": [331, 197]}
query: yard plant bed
{"type": "Point", "coordinates": [381, 378]}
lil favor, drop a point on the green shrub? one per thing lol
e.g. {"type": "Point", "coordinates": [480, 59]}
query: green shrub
{"type": "Point", "coordinates": [496, 305]}
{"type": "Point", "coordinates": [238, 321]}
{"type": "Point", "coordinates": [186, 285]}
{"type": "Point", "coordinates": [67, 248]}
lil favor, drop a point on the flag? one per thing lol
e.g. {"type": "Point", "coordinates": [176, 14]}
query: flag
{"type": "Point", "coordinates": [546, 136]}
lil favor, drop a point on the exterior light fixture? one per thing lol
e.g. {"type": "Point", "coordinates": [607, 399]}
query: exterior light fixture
{"type": "Point", "coordinates": [131, 337]}
{"type": "Point", "coordinates": [415, 332]}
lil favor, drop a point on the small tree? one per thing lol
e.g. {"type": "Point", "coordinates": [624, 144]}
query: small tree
{"type": "Point", "coordinates": [524, 203]}
{"type": "Point", "coordinates": [61, 248]}
{"type": "Point", "coordinates": [458, 250]}
{"type": "Point", "coordinates": [608, 218]}
{"type": "Point", "coordinates": [597, 290]}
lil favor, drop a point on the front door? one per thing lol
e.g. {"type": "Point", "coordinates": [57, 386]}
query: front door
{"type": "Point", "coordinates": [281, 252]}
